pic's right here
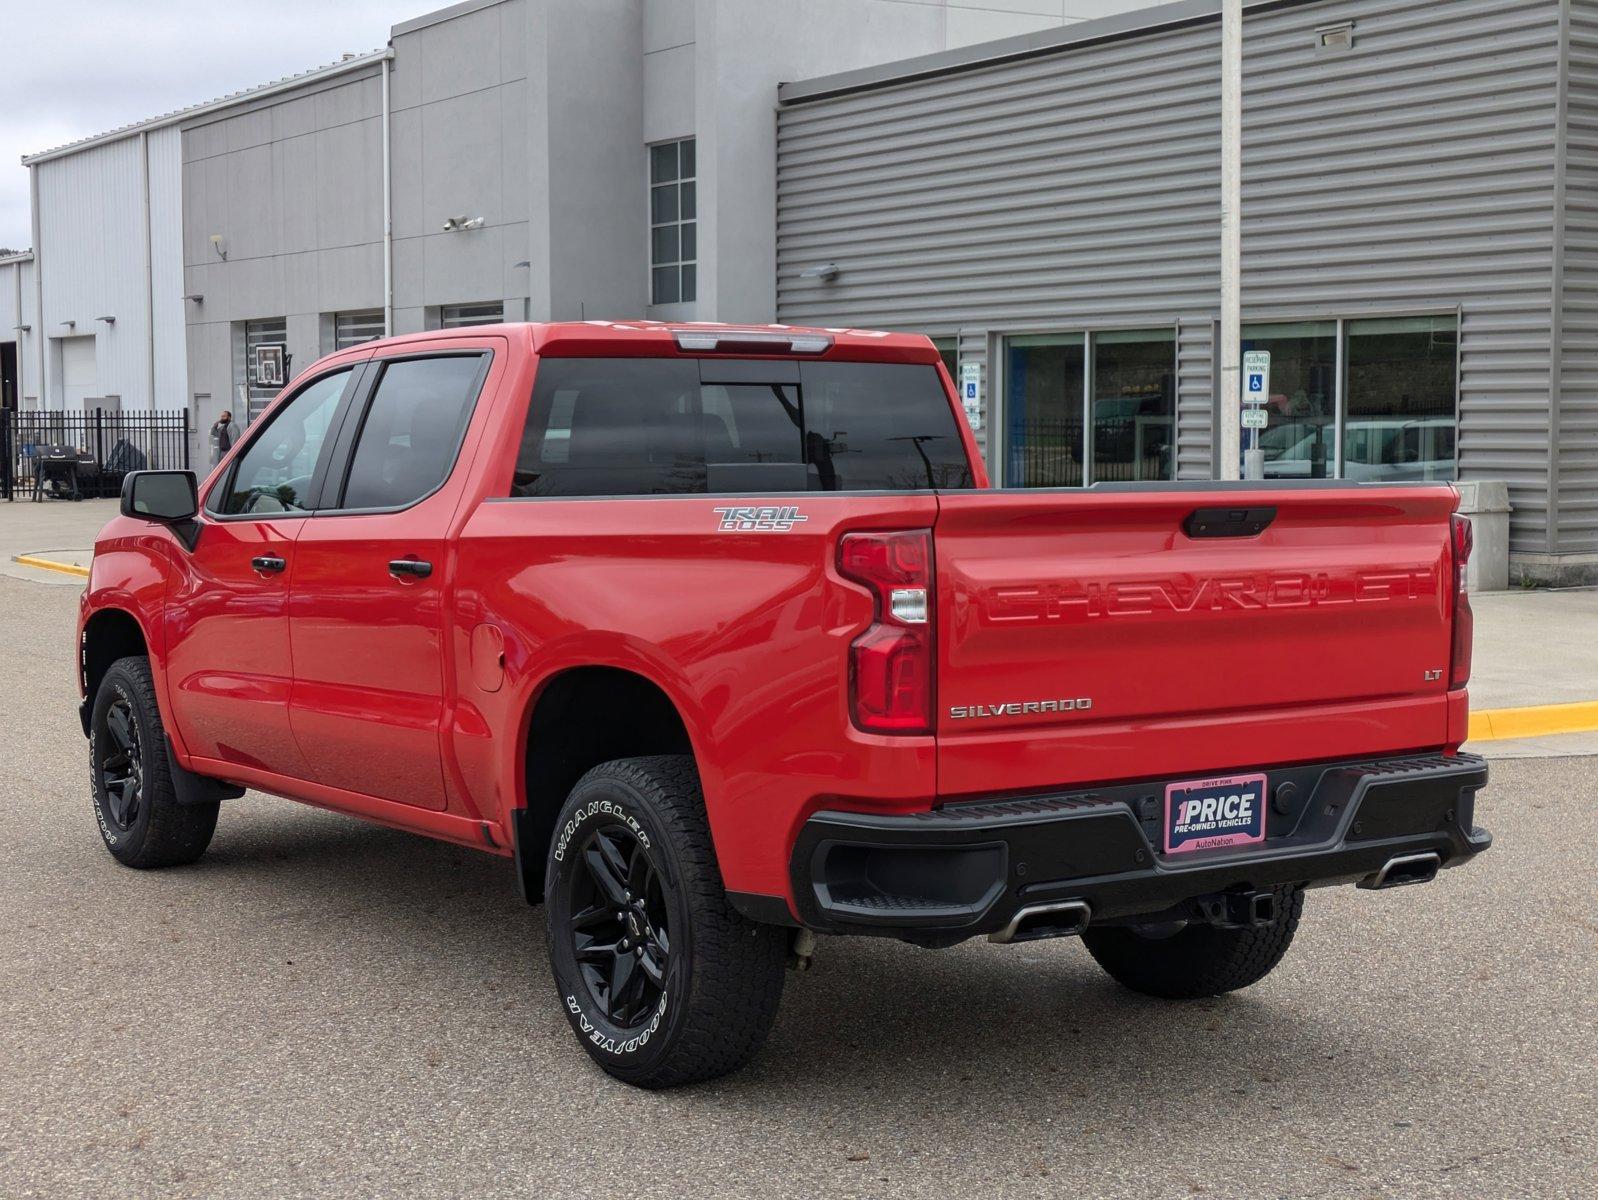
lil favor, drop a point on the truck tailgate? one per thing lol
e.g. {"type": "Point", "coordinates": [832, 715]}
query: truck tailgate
{"type": "Point", "coordinates": [1098, 635]}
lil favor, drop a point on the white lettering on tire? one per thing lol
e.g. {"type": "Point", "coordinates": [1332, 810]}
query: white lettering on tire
{"type": "Point", "coordinates": [609, 1044]}
{"type": "Point", "coordinates": [595, 808]}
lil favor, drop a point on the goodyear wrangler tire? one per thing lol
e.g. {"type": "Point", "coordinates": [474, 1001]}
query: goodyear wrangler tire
{"type": "Point", "coordinates": [662, 981]}
{"type": "Point", "coordinates": [135, 804]}
{"type": "Point", "coordinates": [1199, 960]}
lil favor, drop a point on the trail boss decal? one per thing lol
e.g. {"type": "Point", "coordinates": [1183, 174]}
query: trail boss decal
{"type": "Point", "coordinates": [1203, 814]}
{"type": "Point", "coordinates": [759, 519]}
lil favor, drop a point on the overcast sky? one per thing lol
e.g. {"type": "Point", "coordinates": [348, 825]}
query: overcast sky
{"type": "Point", "coordinates": [76, 68]}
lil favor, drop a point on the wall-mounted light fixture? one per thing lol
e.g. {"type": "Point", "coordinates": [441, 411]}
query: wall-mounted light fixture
{"type": "Point", "coordinates": [24, 328]}
{"type": "Point", "coordinates": [826, 272]}
{"type": "Point", "coordinates": [1335, 37]}
{"type": "Point", "coordinates": [457, 224]}
{"type": "Point", "coordinates": [107, 320]}
{"type": "Point", "coordinates": [197, 297]}
{"type": "Point", "coordinates": [523, 263]}
{"type": "Point", "coordinates": [219, 246]}
{"type": "Point", "coordinates": [69, 324]}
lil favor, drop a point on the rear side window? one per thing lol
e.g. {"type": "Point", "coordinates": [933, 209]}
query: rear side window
{"type": "Point", "coordinates": [640, 426]}
{"type": "Point", "coordinates": [412, 430]}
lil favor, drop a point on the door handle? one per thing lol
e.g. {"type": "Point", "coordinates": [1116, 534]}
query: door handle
{"type": "Point", "coordinates": [268, 562]}
{"type": "Point", "coordinates": [413, 567]}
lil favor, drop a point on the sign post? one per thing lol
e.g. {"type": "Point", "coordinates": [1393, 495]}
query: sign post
{"type": "Point", "coordinates": [971, 394]}
{"type": "Point", "coordinates": [1256, 393]}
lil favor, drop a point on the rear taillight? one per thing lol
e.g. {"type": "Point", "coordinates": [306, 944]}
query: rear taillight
{"type": "Point", "coordinates": [1464, 621]}
{"type": "Point", "coordinates": [890, 664]}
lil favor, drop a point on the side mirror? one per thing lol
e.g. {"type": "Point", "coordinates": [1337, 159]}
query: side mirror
{"type": "Point", "coordinates": [166, 496]}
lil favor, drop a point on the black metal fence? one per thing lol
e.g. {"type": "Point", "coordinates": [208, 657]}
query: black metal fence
{"type": "Point", "coordinates": [1049, 453]}
{"type": "Point", "coordinates": [108, 443]}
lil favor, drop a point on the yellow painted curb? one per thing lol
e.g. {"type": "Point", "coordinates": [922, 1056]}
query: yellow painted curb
{"type": "Point", "coordinates": [1541, 720]}
{"type": "Point", "coordinates": [29, 560]}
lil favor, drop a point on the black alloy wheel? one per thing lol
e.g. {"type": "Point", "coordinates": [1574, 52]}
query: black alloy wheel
{"type": "Point", "coordinates": [121, 765]}
{"type": "Point", "coordinates": [620, 925]}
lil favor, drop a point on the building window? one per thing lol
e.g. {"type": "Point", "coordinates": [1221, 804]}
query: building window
{"type": "Point", "coordinates": [353, 328]}
{"type": "Point", "coordinates": [259, 393]}
{"type": "Point", "coordinates": [949, 351]}
{"type": "Point", "coordinates": [673, 223]}
{"type": "Point", "coordinates": [1067, 425]}
{"type": "Point", "coordinates": [1397, 408]}
{"type": "Point", "coordinates": [1401, 412]}
{"type": "Point", "coordinates": [1134, 405]}
{"type": "Point", "coordinates": [457, 316]}
{"type": "Point", "coordinates": [1300, 441]}
{"type": "Point", "coordinates": [1044, 380]}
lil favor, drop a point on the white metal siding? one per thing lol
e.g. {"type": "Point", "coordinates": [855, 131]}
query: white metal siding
{"type": "Point", "coordinates": [1576, 445]}
{"type": "Point", "coordinates": [1081, 189]}
{"type": "Point", "coordinates": [166, 261]}
{"type": "Point", "coordinates": [91, 234]}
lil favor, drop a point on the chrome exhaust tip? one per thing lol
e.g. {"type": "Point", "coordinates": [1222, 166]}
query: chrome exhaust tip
{"type": "Point", "coordinates": [1034, 922]}
{"type": "Point", "coordinates": [1404, 869]}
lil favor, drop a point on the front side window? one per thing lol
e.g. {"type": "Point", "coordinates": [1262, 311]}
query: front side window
{"type": "Point", "coordinates": [629, 427]}
{"type": "Point", "coordinates": [274, 473]}
{"type": "Point", "coordinates": [673, 223]}
{"type": "Point", "coordinates": [412, 430]}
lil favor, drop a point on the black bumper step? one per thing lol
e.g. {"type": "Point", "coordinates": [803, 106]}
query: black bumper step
{"type": "Point", "coordinates": [965, 869]}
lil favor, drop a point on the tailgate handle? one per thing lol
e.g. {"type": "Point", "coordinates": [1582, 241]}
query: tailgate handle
{"type": "Point", "coordinates": [1227, 522]}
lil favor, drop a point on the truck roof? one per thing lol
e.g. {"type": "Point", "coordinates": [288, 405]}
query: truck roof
{"type": "Point", "coordinates": [669, 339]}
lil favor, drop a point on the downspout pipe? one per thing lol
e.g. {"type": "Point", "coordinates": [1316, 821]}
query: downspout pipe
{"type": "Point", "coordinates": [41, 344]}
{"type": "Point", "coordinates": [149, 275]}
{"type": "Point", "coordinates": [1229, 436]}
{"type": "Point", "coordinates": [388, 207]}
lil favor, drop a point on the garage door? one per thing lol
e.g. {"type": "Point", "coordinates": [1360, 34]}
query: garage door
{"type": "Point", "coordinates": [79, 376]}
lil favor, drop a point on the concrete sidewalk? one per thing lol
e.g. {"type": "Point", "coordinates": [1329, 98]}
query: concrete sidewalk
{"type": "Point", "coordinates": [1532, 647]}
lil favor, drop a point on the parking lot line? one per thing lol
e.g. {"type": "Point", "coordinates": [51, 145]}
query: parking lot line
{"type": "Point", "coordinates": [1538, 720]}
{"type": "Point", "coordinates": [32, 560]}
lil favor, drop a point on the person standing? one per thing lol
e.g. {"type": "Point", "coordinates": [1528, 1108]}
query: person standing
{"type": "Point", "coordinates": [223, 434]}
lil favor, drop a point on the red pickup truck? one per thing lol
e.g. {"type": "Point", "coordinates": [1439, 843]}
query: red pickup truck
{"type": "Point", "coordinates": [722, 635]}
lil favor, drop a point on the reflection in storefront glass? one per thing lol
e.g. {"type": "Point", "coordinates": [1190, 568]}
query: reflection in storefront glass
{"type": "Point", "coordinates": [1043, 395]}
{"type": "Point", "coordinates": [1301, 440]}
{"type": "Point", "coordinates": [1402, 390]}
{"type": "Point", "coordinates": [1134, 405]}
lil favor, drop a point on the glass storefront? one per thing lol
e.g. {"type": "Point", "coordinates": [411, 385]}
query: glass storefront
{"type": "Point", "coordinates": [1101, 407]}
{"type": "Point", "coordinates": [1043, 388]}
{"type": "Point", "coordinates": [1402, 399]}
{"type": "Point", "coordinates": [1301, 440]}
{"type": "Point", "coordinates": [1134, 405]}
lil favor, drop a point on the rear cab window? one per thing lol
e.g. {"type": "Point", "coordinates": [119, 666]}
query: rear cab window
{"type": "Point", "coordinates": [683, 426]}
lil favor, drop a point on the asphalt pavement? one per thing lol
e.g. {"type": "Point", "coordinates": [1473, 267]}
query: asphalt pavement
{"type": "Point", "coordinates": [322, 1007]}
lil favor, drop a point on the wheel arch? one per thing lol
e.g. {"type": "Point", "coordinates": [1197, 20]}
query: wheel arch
{"type": "Point", "coordinates": [110, 632]}
{"type": "Point", "coordinates": [574, 720]}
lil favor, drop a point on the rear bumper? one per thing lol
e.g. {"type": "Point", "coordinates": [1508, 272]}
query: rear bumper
{"type": "Point", "coordinates": [952, 873]}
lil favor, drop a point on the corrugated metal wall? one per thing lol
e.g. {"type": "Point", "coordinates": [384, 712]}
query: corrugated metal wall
{"type": "Point", "coordinates": [1061, 192]}
{"type": "Point", "coordinates": [1414, 173]}
{"type": "Point", "coordinates": [166, 256]}
{"type": "Point", "coordinates": [1576, 439]}
{"type": "Point", "coordinates": [1417, 172]}
{"type": "Point", "coordinates": [92, 252]}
